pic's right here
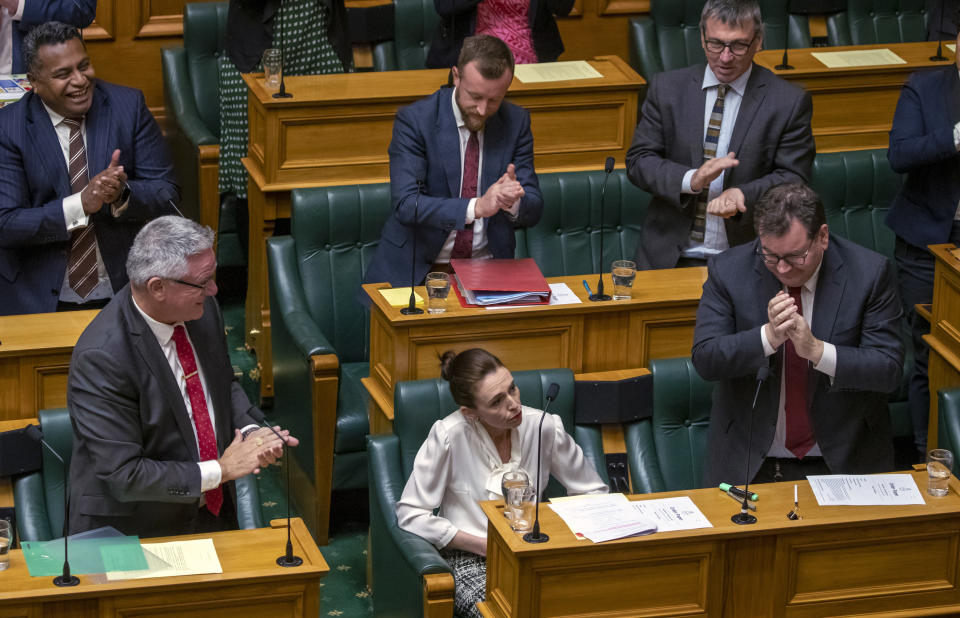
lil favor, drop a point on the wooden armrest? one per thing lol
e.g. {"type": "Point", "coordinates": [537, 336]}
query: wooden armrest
{"type": "Point", "coordinates": [438, 595]}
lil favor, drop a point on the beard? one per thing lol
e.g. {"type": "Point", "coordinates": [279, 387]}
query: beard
{"type": "Point", "coordinates": [471, 121]}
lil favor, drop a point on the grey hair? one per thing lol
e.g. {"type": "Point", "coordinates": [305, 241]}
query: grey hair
{"type": "Point", "coordinates": [49, 33]}
{"type": "Point", "coordinates": [162, 247]}
{"type": "Point", "coordinates": [733, 13]}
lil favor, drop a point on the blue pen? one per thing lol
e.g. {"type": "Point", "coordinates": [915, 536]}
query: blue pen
{"type": "Point", "coordinates": [587, 286]}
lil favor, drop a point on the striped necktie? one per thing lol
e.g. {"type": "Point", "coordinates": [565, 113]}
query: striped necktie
{"type": "Point", "coordinates": [709, 152]}
{"type": "Point", "coordinates": [82, 264]}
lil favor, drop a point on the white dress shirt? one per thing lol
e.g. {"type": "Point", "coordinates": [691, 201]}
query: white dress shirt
{"type": "Point", "coordinates": [6, 37]}
{"type": "Point", "coordinates": [715, 234]}
{"type": "Point", "coordinates": [827, 365]}
{"type": "Point", "coordinates": [480, 250]}
{"type": "Point", "coordinates": [458, 465]}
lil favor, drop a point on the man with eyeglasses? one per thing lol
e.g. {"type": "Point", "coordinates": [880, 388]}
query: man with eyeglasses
{"type": "Point", "coordinates": [161, 426]}
{"type": "Point", "coordinates": [712, 139]}
{"type": "Point", "coordinates": [823, 314]}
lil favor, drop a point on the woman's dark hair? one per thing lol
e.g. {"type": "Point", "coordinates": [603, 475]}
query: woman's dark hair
{"type": "Point", "coordinates": [464, 370]}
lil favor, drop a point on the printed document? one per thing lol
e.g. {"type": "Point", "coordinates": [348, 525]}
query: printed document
{"type": "Point", "coordinates": [196, 557]}
{"type": "Point", "coordinates": [865, 490]}
{"type": "Point", "coordinates": [602, 517]}
{"type": "Point", "coordinates": [858, 58]}
{"type": "Point", "coordinates": [555, 71]}
{"type": "Point", "coordinates": [672, 513]}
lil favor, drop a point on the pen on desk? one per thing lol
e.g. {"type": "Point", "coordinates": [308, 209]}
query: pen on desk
{"type": "Point", "coordinates": [587, 286]}
{"type": "Point", "coordinates": [739, 500]}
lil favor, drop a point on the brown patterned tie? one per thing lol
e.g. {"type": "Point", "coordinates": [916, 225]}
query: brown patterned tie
{"type": "Point", "coordinates": [82, 265]}
{"type": "Point", "coordinates": [709, 152]}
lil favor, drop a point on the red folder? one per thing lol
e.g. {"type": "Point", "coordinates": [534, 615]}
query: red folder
{"type": "Point", "coordinates": [501, 275]}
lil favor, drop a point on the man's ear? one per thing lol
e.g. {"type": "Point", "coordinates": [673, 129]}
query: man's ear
{"type": "Point", "coordinates": [156, 288]}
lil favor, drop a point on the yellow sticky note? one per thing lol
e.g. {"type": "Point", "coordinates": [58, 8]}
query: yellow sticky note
{"type": "Point", "coordinates": [399, 297]}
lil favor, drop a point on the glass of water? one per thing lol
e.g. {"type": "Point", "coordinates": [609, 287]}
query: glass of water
{"type": "Point", "coordinates": [438, 287]}
{"type": "Point", "coordinates": [6, 540]}
{"type": "Point", "coordinates": [939, 465]}
{"type": "Point", "coordinates": [521, 502]}
{"type": "Point", "coordinates": [272, 67]}
{"type": "Point", "coordinates": [513, 478]}
{"type": "Point", "coordinates": [623, 273]}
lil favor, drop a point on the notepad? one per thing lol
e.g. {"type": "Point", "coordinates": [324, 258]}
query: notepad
{"type": "Point", "coordinates": [399, 297]}
{"type": "Point", "coordinates": [555, 72]}
{"type": "Point", "coordinates": [858, 58]}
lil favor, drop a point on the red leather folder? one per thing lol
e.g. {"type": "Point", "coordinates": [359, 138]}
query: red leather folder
{"type": "Point", "coordinates": [501, 275]}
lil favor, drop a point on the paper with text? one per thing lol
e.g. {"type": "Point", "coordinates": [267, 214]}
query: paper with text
{"type": "Point", "coordinates": [555, 71]}
{"type": "Point", "coordinates": [858, 58]}
{"type": "Point", "coordinates": [865, 490]}
{"type": "Point", "coordinates": [672, 513]}
{"type": "Point", "coordinates": [175, 558]}
{"type": "Point", "coordinates": [603, 517]}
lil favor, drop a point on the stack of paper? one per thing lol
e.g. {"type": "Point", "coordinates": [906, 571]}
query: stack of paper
{"type": "Point", "coordinates": [480, 283]}
{"type": "Point", "coordinates": [865, 489]}
{"type": "Point", "coordinates": [602, 517]}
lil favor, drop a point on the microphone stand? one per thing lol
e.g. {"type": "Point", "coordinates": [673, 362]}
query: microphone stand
{"type": "Point", "coordinates": [785, 65]}
{"type": "Point", "coordinates": [65, 579]}
{"type": "Point", "coordinates": [600, 296]}
{"type": "Point", "coordinates": [282, 92]}
{"type": "Point", "coordinates": [940, 57]}
{"type": "Point", "coordinates": [411, 308]}
{"type": "Point", "coordinates": [744, 517]}
{"type": "Point", "coordinates": [535, 536]}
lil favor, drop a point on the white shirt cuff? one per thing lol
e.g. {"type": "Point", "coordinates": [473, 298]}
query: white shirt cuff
{"type": "Point", "coordinates": [687, 178]}
{"type": "Point", "coordinates": [19, 14]}
{"type": "Point", "coordinates": [956, 136]}
{"type": "Point", "coordinates": [828, 362]}
{"type": "Point", "coordinates": [73, 214]}
{"type": "Point", "coordinates": [117, 209]}
{"type": "Point", "coordinates": [250, 426]}
{"type": "Point", "coordinates": [210, 474]}
{"type": "Point", "coordinates": [767, 348]}
{"type": "Point", "coordinates": [471, 217]}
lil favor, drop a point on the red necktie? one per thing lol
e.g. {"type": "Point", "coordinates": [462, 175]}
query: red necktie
{"type": "Point", "coordinates": [800, 437]}
{"type": "Point", "coordinates": [82, 264]}
{"type": "Point", "coordinates": [463, 245]}
{"type": "Point", "coordinates": [206, 440]}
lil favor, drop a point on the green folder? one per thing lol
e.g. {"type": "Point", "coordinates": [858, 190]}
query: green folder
{"type": "Point", "coordinates": [87, 555]}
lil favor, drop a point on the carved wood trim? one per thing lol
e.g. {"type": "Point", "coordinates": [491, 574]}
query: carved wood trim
{"type": "Point", "coordinates": [150, 25]}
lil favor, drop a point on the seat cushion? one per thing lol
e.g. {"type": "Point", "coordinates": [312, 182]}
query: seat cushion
{"type": "Point", "coordinates": [353, 424]}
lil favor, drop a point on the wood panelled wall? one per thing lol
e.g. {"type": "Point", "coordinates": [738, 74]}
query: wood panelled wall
{"type": "Point", "coordinates": [125, 40]}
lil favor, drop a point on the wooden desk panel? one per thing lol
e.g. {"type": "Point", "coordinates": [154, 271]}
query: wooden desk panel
{"type": "Point", "coordinates": [6, 488]}
{"type": "Point", "coordinates": [252, 584]}
{"type": "Point", "coordinates": [336, 130]}
{"type": "Point", "coordinates": [943, 370]}
{"type": "Point", "coordinates": [35, 354]}
{"type": "Point", "coordinates": [835, 561]}
{"type": "Point", "coordinates": [853, 107]}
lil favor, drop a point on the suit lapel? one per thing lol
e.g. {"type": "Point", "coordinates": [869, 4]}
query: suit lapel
{"type": "Point", "coordinates": [693, 130]}
{"type": "Point", "coordinates": [766, 287]}
{"type": "Point", "coordinates": [99, 121]}
{"type": "Point", "coordinates": [952, 93]}
{"type": "Point", "coordinates": [830, 286]}
{"type": "Point", "coordinates": [492, 154]}
{"type": "Point", "coordinates": [43, 136]}
{"type": "Point", "coordinates": [751, 101]}
{"type": "Point", "coordinates": [448, 137]}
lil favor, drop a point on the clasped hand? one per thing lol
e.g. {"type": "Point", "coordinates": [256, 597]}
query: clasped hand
{"type": "Point", "coordinates": [104, 188]}
{"type": "Point", "coordinates": [786, 322]}
{"type": "Point", "coordinates": [501, 195]}
{"type": "Point", "coordinates": [261, 448]}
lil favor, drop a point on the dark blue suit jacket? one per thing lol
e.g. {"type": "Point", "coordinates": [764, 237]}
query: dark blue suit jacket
{"type": "Point", "coordinates": [79, 13]}
{"type": "Point", "coordinates": [426, 146]}
{"type": "Point", "coordinates": [34, 241]}
{"type": "Point", "coordinates": [921, 146]}
{"type": "Point", "coordinates": [856, 308]}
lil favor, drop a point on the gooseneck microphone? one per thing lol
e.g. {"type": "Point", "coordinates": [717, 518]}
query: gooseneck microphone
{"type": "Point", "coordinates": [287, 559]}
{"type": "Point", "coordinates": [282, 92]}
{"type": "Point", "coordinates": [744, 516]}
{"type": "Point", "coordinates": [535, 536]}
{"type": "Point", "coordinates": [785, 64]}
{"type": "Point", "coordinates": [65, 579]}
{"type": "Point", "coordinates": [608, 167]}
{"type": "Point", "coordinates": [167, 197]}
{"type": "Point", "coordinates": [940, 57]}
{"type": "Point", "coordinates": [411, 308]}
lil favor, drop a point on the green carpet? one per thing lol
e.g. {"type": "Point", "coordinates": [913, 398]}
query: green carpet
{"type": "Point", "coordinates": [344, 591]}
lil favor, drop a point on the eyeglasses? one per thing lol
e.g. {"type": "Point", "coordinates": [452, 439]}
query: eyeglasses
{"type": "Point", "coordinates": [794, 259]}
{"type": "Point", "coordinates": [716, 46]}
{"type": "Point", "coordinates": [199, 286]}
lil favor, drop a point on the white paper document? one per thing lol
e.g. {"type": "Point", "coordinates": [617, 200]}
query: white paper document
{"type": "Point", "coordinates": [672, 513]}
{"type": "Point", "coordinates": [602, 517]}
{"type": "Point", "coordinates": [858, 58]}
{"type": "Point", "coordinates": [560, 294]}
{"type": "Point", "coordinates": [865, 490]}
{"type": "Point", "coordinates": [195, 557]}
{"type": "Point", "coordinates": [555, 71]}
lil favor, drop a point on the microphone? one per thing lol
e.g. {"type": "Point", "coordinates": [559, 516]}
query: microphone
{"type": "Point", "coordinates": [65, 579]}
{"type": "Point", "coordinates": [287, 559]}
{"type": "Point", "coordinates": [411, 308]}
{"type": "Point", "coordinates": [608, 167]}
{"type": "Point", "coordinates": [744, 516]}
{"type": "Point", "coordinates": [785, 64]}
{"type": "Point", "coordinates": [166, 195]}
{"type": "Point", "coordinates": [282, 92]}
{"type": "Point", "coordinates": [940, 57]}
{"type": "Point", "coordinates": [535, 536]}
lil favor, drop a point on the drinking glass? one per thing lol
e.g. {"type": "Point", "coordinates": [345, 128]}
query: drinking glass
{"type": "Point", "coordinates": [939, 465]}
{"type": "Point", "coordinates": [521, 502]}
{"type": "Point", "coordinates": [438, 287]}
{"type": "Point", "coordinates": [6, 540]}
{"type": "Point", "coordinates": [513, 478]}
{"type": "Point", "coordinates": [272, 67]}
{"type": "Point", "coordinates": [623, 273]}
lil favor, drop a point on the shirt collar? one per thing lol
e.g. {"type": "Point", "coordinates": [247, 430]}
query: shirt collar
{"type": "Point", "coordinates": [55, 118]}
{"type": "Point", "coordinates": [163, 332]}
{"type": "Point", "coordinates": [811, 284]}
{"type": "Point", "coordinates": [738, 85]}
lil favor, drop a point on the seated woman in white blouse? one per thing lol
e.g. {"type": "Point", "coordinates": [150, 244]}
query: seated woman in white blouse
{"type": "Point", "coordinates": [466, 454]}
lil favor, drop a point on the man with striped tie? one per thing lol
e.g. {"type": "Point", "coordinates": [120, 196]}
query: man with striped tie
{"type": "Point", "coordinates": [83, 166]}
{"type": "Point", "coordinates": [712, 139]}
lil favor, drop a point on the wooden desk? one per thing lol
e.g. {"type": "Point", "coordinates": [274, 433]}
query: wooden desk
{"type": "Point", "coordinates": [896, 561]}
{"type": "Point", "coordinates": [35, 358]}
{"type": "Point", "coordinates": [252, 584]}
{"type": "Point", "coordinates": [656, 323]}
{"type": "Point", "coordinates": [943, 370]}
{"type": "Point", "coordinates": [853, 107]}
{"type": "Point", "coordinates": [6, 488]}
{"type": "Point", "coordinates": [336, 130]}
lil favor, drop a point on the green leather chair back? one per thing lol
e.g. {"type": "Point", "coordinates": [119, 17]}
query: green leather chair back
{"type": "Point", "coordinates": [948, 424]}
{"type": "Point", "coordinates": [415, 22]}
{"type": "Point", "coordinates": [204, 33]}
{"type": "Point", "coordinates": [777, 23]}
{"type": "Point", "coordinates": [336, 231]}
{"type": "Point", "coordinates": [566, 240]}
{"type": "Point", "coordinates": [868, 22]}
{"type": "Point", "coordinates": [666, 452]}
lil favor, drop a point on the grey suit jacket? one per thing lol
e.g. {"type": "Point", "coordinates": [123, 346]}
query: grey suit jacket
{"type": "Point", "coordinates": [135, 456]}
{"type": "Point", "coordinates": [771, 138]}
{"type": "Point", "coordinates": [856, 309]}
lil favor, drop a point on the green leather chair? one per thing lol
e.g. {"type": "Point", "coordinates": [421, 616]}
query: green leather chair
{"type": "Point", "coordinates": [407, 570]}
{"type": "Point", "coordinates": [38, 496]}
{"type": "Point", "coordinates": [415, 22]}
{"type": "Point", "coordinates": [948, 424]}
{"type": "Point", "coordinates": [666, 451]}
{"type": "Point", "coordinates": [868, 22]}
{"type": "Point", "coordinates": [191, 76]}
{"type": "Point", "coordinates": [669, 37]}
